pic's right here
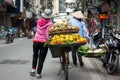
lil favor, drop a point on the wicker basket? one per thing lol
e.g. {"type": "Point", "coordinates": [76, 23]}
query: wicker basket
{"type": "Point", "coordinates": [55, 51]}
{"type": "Point", "coordinates": [92, 54]}
{"type": "Point", "coordinates": [64, 32]}
{"type": "Point", "coordinates": [58, 49]}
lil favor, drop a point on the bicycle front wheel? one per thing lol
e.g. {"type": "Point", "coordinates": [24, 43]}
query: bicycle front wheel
{"type": "Point", "coordinates": [65, 59]}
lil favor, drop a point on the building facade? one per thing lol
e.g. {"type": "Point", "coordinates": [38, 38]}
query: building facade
{"type": "Point", "coordinates": [23, 13]}
{"type": "Point", "coordinates": [17, 14]}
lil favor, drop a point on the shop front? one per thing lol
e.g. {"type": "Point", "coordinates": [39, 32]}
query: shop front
{"type": "Point", "coordinates": [2, 16]}
{"type": "Point", "coordinates": [107, 13]}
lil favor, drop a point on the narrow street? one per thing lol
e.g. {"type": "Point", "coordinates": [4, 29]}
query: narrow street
{"type": "Point", "coordinates": [16, 58]}
{"type": "Point", "coordinates": [25, 17]}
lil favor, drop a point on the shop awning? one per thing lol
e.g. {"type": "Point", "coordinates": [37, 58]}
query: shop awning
{"type": "Point", "coordinates": [102, 6]}
{"type": "Point", "coordinates": [10, 2]}
{"type": "Point", "coordinates": [11, 9]}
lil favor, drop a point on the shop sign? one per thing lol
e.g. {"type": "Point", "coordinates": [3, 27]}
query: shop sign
{"type": "Point", "coordinates": [103, 16]}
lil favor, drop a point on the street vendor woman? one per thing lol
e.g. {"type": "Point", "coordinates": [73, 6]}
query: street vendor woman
{"type": "Point", "coordinates": [78, 20]}
{"type": "Point", "coordinates": [41, 36]}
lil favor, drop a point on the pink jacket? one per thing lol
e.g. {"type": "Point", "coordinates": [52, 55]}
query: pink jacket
{"type": "Point", "coordinates": [42, 33]}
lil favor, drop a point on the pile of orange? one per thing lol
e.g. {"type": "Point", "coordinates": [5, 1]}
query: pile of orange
{"type": "Point", "coordinates": [67, 39]}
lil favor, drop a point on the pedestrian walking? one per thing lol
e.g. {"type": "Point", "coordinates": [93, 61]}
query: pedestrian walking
{"type": "Point", "coordinates": [77, 20]}
{"type": "Point", "coordinates": [41, 36]}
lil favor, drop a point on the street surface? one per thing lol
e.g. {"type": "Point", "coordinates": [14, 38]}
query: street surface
{"type": "Point", "coordinates": [16, 58]}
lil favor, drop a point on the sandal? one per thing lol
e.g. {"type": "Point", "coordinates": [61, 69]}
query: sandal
{"type": "Point", "coordinates": [33, 73]}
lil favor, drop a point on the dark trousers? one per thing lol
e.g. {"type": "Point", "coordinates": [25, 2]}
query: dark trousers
{"type": "Point", "coordinates": [75, 54]}
{"type": "Point", "coordinates": [39, 55]}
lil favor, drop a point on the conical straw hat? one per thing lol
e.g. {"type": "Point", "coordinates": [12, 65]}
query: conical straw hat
{"type": "Point", "coordinates": [78, 14]}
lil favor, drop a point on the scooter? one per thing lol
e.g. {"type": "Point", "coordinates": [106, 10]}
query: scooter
{"type": "Point", "coordinates": [111, 59]}
{"type": "Point", "coordinates": [97, 39]}
{"type": "Point", "coordinates": [9, 37]}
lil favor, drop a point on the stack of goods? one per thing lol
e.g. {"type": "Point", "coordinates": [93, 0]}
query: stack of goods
{"type": "Point", "coordinates": [63, 27]}
{"type": "Point", "coordinates": [63, 33]}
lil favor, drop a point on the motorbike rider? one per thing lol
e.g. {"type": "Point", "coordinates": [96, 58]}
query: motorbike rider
{"type": "Point", "coordinates": [96, 38]}
{"type": "Point", "coordinates": [9, 36]}
{"type": "Point", "coordinates": [9, 32]}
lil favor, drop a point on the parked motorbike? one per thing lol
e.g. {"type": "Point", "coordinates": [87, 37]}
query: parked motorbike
{"type": "Point", "coordinates": [112, 42]}
{"type": "Point", "coordinates": [111, 59]}
{"type": "Point", "coordinates": [9, 37]}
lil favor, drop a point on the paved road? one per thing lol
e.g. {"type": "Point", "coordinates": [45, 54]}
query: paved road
{"type": "Point", "coordinates": [16, 58]}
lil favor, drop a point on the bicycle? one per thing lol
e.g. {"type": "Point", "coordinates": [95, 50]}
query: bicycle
{"type": "Point", "coordinates": [62, 52]}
